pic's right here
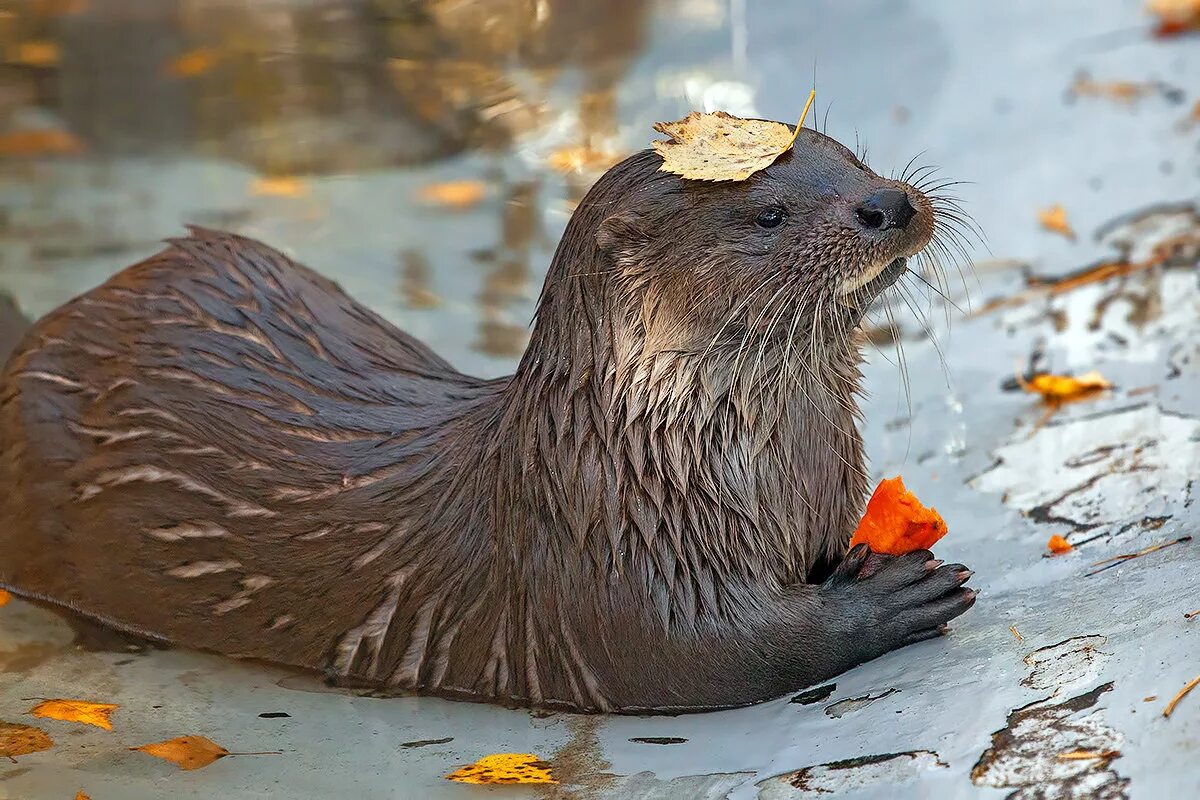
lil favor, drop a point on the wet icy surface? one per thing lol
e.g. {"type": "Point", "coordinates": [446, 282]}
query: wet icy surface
{"type": "Point", "coordinates": [983, 90]}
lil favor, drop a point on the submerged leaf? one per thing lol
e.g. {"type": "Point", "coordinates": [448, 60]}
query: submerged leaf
{"type": "Point", "coordinates": [187, 752]}
{"type": "Point", "coordinates": [896, 523]}
{"type": "Point", "coordinates": [76, 711]}
{"type": "Point", "coordinates": [505, 768]}
{"type": "Point", "coordinates": [19, 740]}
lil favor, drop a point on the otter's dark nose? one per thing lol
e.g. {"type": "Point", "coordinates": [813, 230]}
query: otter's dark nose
{"type": "Point", "coordinates": [886, 209]}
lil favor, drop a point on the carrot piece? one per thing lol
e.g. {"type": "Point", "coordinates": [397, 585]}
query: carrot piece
{"type": "Point", "coordinates": [1058, 545]}
{"type": "Point", "coordinates": [896, 523]}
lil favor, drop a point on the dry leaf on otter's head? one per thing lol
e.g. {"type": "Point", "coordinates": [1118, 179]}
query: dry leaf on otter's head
{"type": "Point", "coordinates": [722, 147]}
{"type": "Point", "coordinates": [186, 752]}
{"type": "Point", "coordinates": [19, 740]}
{"type": "Point", "coordinates": [505, 768]}
{"type": "Point", "coordinates": [76, 711]}
{"type": "Point", "coordinates": [896, 523]}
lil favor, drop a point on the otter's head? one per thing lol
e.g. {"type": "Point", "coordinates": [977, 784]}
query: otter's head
{"type": "Point", "coordinates": [794, 253]}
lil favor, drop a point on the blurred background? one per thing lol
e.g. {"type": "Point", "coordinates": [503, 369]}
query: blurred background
{"type": "Point", "coordinates": [427, 154]}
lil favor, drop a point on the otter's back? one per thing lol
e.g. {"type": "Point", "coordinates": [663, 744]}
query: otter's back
{"type": "Point", "coordinates": [209, 435]}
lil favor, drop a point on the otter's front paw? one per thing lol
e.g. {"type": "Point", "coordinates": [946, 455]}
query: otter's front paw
{"type": "Point", "coordinates": [897, 600]}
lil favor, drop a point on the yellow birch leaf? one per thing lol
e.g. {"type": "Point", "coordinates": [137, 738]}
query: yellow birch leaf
{"type": "Point", "coordinates": [186, 752]}
{"type": "Point", "coordinates": [76, 711]}
{"type": "Point", "coordinates": [505, 768]}
{"type": "Point", "coordinates": [1055, 219]}
{"type": "Point", "coordinates": [722, 147]}
{"type": "Point", "coordinates": [454, 194]}
{"type": "Point", "coordinates": [4, 597]}
{"type": "Point", "coordinates": [18, 740]}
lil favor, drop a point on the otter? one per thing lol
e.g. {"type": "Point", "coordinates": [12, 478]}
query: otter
{"type": "Point", "coordinates": [217, 448]}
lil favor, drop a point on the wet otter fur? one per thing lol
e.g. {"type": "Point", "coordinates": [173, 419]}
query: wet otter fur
{"type": "Point", "coordinates": [220, 449]}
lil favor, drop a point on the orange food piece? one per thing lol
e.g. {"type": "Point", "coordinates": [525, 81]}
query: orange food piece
{"type": "Point", "coordinates": [1058, 545]}
{"type": "Point", "coordinates": [1064, 388]}
{"type": "Point", "coordinates": [4, 597]}
{"type": "Point", "coordinates": [896, 523]}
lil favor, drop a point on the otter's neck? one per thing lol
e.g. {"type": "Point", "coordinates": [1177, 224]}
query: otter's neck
{"type": "Point", "coordinates": [671, 464]}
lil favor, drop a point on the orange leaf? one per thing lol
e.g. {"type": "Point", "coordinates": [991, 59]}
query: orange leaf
{"type": "Point", "coordinates": [192, 63]}
{"type": "Point", "coordinates": [39, 141]}
{"type": "Point", "coordinates": [280, 186]}
{"type": "Point", "coordinates": [896, 522]}
{"type": "Point", "coordinates": [4, 597]}
{"type": "Point", "coordinates": [1058, 545]}
{"type": "Point", "coordinates": [1055, 219]}
{"type": "Point", "coordinates": [36, 54]}
{"type": "Point", "coordinates": [76, 711]}
{"type": "Point", "coordinates": [505, 768]}
{"type": "Point", "coordinates": [454, 194]}
{"type": "Point", "coordinates": [19, 740]}
{"type": "Point", "coordinates": [82, 795]}
{"type": "Point", "coordinates": [187, 752]}
{"type": "Point", "coordinates": [1064, 388]}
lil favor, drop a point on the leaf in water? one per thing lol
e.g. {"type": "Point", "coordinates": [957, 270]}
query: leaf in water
{"type": "Point", "coordinates": [722, 147]}
{"type": "Point", "coordinates": [896, 523]}
{"type": "Point", "coordinates": [4, 597]}
{"type": "Point", "coordinates": [187, 752]}
{"type": "Point", "coordinates": [19, 740]}
{"type": "Point", "coordinates": [39, 141]}
{"type": "Point", "coordinates": [1175, 16]}
{"type": "Point", "coordinates": [1055, 219]}
{"type": "Point", "coordinates": [36, 54]}
{"type": "Point", "coordinates": [454, 194]}
{"type": "Point", "coordinates": [76, 711]}
{"type": "Point", "coordinates": [82, 795]}
{"type": "Point", "coordinates": [582, 159]}
{"type": "Point", "coordinates": [505, 768]}
{"type": "Point", "coordinates": [279, 186]}
{"type": "Point", "coordinates": [193, 63]}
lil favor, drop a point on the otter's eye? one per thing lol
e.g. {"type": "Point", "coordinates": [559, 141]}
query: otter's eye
{"type": "Point", "coordinates": [770, 218]}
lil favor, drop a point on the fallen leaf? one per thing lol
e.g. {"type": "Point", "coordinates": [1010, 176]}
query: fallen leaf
{"type": "Point", "coordinates": [19, 740]}
{"type": "Point", "coordinates": [1056, 389]}
{"type": "Point", "coordinates": [896, 523]}
{"type": "Point", "coordinates": [82, 795]}
{"type": "Point", "coordinates": [279, 186]}
{"type": "Point", "coordinates": [1175, 16]}
{"type": "Point", "coordinates": [1088, 755]}
{"type": "Point", "coordinates": [58, 8]}
{"type": "Point", "coordinates": [454, 194]}
{"type": "Point", "coordinates": [5, 596]}
{"type": "Point", "coordinates": [505, 768]}
{"type": "Point", "coordinates": [76, 711]}
{"type": "Point", "coordinates": [36, 54]}
{"type": "Point", "coordinates": [1055, 219]}
{"type": "Point", "coordinates": [1058, 545]}
{"type": "Point", "coordinates": [192, 63]}
{"type": "Point", "coordinates": [186, 752]}
{"type": "Point", "coordinates": [1187, 687]}
{"type": "Point", "coordinates": [39, 141]}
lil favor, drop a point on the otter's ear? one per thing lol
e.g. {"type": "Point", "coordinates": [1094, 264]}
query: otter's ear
{"type": "Point", "coordinates": [622, 234]}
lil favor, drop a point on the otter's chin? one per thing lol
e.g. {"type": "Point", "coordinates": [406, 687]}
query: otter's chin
{"type": "Point", "coordinates": [861, 291]}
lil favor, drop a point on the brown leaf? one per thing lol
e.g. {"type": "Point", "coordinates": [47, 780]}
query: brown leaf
{"type": "Point", "coordinates": [39, 141]}
{"type": "Point", "coordinates": [76, 711]}
{"type": "Point", "coordinates": [504, 768]}
{"type": "Point", "coordinates": [193, 63]}
{"type": "Point", "coordinates": [720, 146]}
{"type": "Point", "coordinates": [19, 740]}
{"type": "Point", "coordinates": [1054, 219]}
{"type": "Point", "coordinates": [187, 752]}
